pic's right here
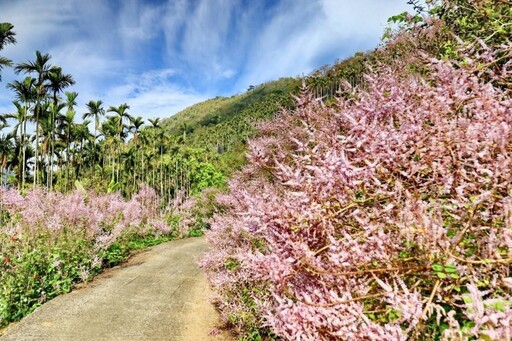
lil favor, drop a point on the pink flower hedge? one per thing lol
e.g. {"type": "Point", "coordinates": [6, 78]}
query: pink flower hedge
{"type": "Point", "coordinates": [387, 216]}
{"type": "Point", "coordinates": [50, 241]}
{"type": "Point", "coordinates": [102, 216]}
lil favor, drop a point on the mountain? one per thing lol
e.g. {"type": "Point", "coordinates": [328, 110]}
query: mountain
{"type": "Point", "coordinates": [222, 125]}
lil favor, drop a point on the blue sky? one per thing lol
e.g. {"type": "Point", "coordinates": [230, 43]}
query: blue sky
{"type": "Point", "coordinates": [161, 56]}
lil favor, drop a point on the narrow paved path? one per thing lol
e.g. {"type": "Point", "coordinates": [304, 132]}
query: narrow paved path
{"type": "Point", "coordinates": [159, 294]}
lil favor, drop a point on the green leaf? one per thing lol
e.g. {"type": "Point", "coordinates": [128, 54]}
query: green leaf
{"type": "Point", "coordinates": [467, 299]}
{"type": "Point", "coordinates": [79, 186]}
{"type": "Point", "coordinates": [441, 275]}
{"type": "Point", "coordinates": [466, 327]}
{"type": "Point", "coordinates": [450, 269]}
{"type": "Point", "coordinates": [398, 18]}
{"type": "Point", "coordinates": [437, 267]}
{"type": "Point", "coordinates": [484, 337]}
{"type": "Point", "coordinates": [112, 186]}
{"type": "Point", "coordinates": [499, 305]}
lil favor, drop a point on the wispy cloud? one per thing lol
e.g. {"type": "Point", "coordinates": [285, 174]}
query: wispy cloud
{"type": "Point", "coordinates": [139, 21]}
{"type": "Point", "coordinates": [161, 56]}
{"type": "Point", "coordinates": [302, 35]}
{"type": "Point", "coordinates": [153, 94]}
{"type": "Point", "coordinates": [199, 37]}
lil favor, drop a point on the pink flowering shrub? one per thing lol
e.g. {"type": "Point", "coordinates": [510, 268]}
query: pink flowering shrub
{"type": "Point", "coordinates": [50, 240]}
{"type": "Point", "coordinates": [191, 215]}
{"type": "Point", "coordinates": [387, 216]}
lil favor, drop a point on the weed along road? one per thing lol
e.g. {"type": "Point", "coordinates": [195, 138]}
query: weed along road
{"type": "Point", "coordinates": [159, 294]}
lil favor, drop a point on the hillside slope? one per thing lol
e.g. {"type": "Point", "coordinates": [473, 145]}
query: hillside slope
{"type": "Point", "coordinates": [221, 126]}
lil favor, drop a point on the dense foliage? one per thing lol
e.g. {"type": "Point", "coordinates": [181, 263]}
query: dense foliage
{"type": "Point", "coordinates": [222, 126]}
{"type": "Point", "coordinates": [6, 37]}
{"type": "Point", "coordinates": [375, 207]}
{"type": "Point", "coordinates": [385, 215]}
{"type": "Point", "coordinates": [194, 149]}
{"type": "Point", "coordinates": [50, 241]}
{"type": "Point", "coordinates": [54, 233]}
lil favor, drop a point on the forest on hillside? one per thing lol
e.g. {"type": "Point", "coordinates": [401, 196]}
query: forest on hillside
{"type": "Point", "coordinates": [80, 191]}
{"type": "Point", "coordinates": [368, 200]}
{"type": "Point", "coordinates": [45, 142]}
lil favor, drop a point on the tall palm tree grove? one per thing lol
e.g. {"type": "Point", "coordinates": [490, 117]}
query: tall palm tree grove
{"type": "Point", "coordinates": [57, 82]}
{"type": "Point", "coordinates": [95, 111]}
{"type": "Point", "coordinates": [41, 67]}
{"type": "Point", "coordinates": [25, 93]}
{"type": "Point", "coordinates": [46, 144]}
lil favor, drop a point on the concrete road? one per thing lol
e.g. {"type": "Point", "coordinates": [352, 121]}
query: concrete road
{"type": "Point", "coordinates": [159, 294]}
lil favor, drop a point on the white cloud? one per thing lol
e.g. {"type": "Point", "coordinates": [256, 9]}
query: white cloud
{"type": "Point", "coordinates": [139, 24]}
{"type": "Point", "coordinates": [43, 24]}
{"type": "Point", "coordinates": [100, 47]}
{"type": "Point", "coordinates": [302, 31]}
{"type": "Point", "coordinates": [206, 30]}
{"type": "Point", "coordinates": [86, 64]}
{"type": "Point", "coordinates": [175, 16]}
{"type": "Point", "coordinates": [162, 56]}
{"type": "Point", "coordinates": [162, 101]}
{"type": "Point", "coordinates": [153, 94]}
{"type": "Point", "coordinates": [362, 19]}
{"type": "Point", "coordinates": [198, 36]}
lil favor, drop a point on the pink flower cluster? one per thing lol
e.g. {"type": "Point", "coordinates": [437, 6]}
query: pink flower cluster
{"type": "Point", "coordinates": [382, 217]}
{"type": "Point", "coordinates": [191, 214]}
{"type": "Point", "coordinates": [103, 218]}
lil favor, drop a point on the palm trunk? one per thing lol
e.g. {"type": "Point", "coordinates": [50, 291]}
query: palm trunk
{"type": "Point", "coordinates": [20, 153]}
{"type": "Point", "coordinates": [118, 167]}
{"type": "Point", "coordinates": [50, 173]}
{"type": "Point", "coordinates": [161, 174]}
{"type": "Point", "coordinates": [23, 158]}
{"type": "Point", "coordinates": [52, 153]}
{"type": "Point", "coordinates": [153, 180]}
{"type": "Point", "coordinates": [36, 151]}
{"type": "Point", "coordinates": [94, 151]}
{"type": "Point", "coordinates": [142, 167]}
{"type": "Point", "coordinates": [68, 158]}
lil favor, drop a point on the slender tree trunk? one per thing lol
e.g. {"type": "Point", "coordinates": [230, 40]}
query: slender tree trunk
{"type": "Point", "coordinates": [79, 168]}
{"type": "Point", "coordinates": [20, 153]}
{"type": "Point", "coordinates": [24, 147]}
{"type": "Point", "coordinates": [52, 147]}
{"type": "Point", "coordinates": [94, 151]}
{"type": "Point", "coordinates": [36, 145]}
{"type": "Point", "coordinates": [135, 171]}
{"type": "Point", "coordinates": [118, 167]}
{"type": "Point", "coordinates": [182, 180]}
{"type": "Point", "coordinates": [112, 161]}
{"type": "Point", "coordinates": [103, 158]}
{"type": "Point", "coordinates": [142, 168]}
{"type": "Point", "coordinates": [68, 158]}
{"type": "Point", "coordinates": [161, 174]}
{"type": "Point", "coordinates": [169, 183]}
{"type": "Point", "coordinates": [176, 180]}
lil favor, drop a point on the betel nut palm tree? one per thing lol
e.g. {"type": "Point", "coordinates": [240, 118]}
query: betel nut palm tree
{"type": "Point", "coordinates": [41, 67]}
{"type": "Point", "coordinates": [6, 37]}
{"type": "Point", "coordinates": [95, 111]}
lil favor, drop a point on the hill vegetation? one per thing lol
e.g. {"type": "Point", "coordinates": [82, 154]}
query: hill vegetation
{"type": "Point", "coordinates": [222, 125]}
{"type": "Point", "coordinates": [95, 167]}
{"type": "Point", "coordinates": [383, 213]}
{"type": "Point", "coordinates": [374, 203]}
